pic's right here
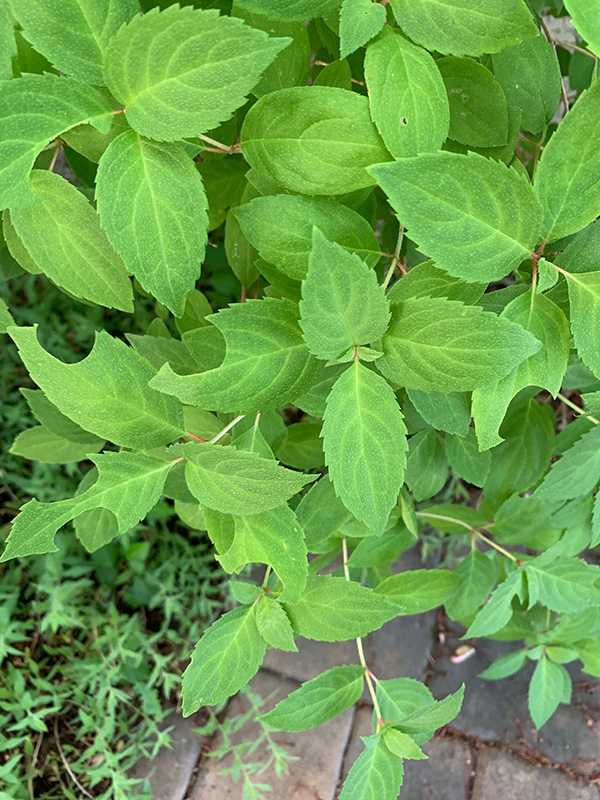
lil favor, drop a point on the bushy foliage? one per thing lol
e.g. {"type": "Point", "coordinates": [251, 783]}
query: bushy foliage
{"type": "Point", "coordinates": [406, 193]}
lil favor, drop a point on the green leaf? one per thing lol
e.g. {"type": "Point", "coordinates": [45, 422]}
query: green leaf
{"type": "Point", "coordinates": [245, 592]}
{"type": "Point", "coordinates": [584, 296]}
{"type": "Point", "coordinates": [41, 444]}
{"type": "Point", "coordinates": [315, 140]}
{"type": "Point", "coordinates": [586, 18]}
{"type": "Point", "coordinates": [478, 110]}
{"type": "Point", "coordinates": [407, 96]}
{"type": "Point", "coordinates": [448, 412]}
{"type": "Point", "coordinates": [342, 304]}
{"type": "Point", "coordinates": [375, 551]}
{"type": "Point", "coordinates": [280, 227]}
{"type": "Point", "coordinates": [399, 698]}
{"type": "Point", "coordinates": [267, 363]}
{"type": "Point", "coordinates": [273, 538]}
{"type": "Point", "coordinates": [360, 21]}
{"type": "Point", "coordinates": [525, 521]}
{"type": "Point", "coordinates": [16, 247]}
{"type": "Point", "coordinates": [318, 700]}
{"type": "Point", "coordinates": [129, 485]}
{"type": "Point", "coordinates": [365, 445]}
{"type": "Point", "coordinates": [465, 27]}
{"type": "Point", "coordinates": [479, 574]}
{"type": "Point", "coordinates": [299, 10]}
{"type": "Point", "coordinates": [62, 234]}
{"type": "Point", "coordinates": [529, 74]}
{"type": "Point", "coordinates": [434, 716]}
{"type": "Point", "coordinates": [73, 34]}
{"type": "Point", "coordinates": [303, 447]}
{"type": "Point", "coordinates": [236, 481]}
{"type": "Point", "coordinates": [419, 590]}
{"type": "Point", "coordinates": [476, 217]}
{"type": "Point", "coordinates": [505, 666]}
{"type": "Point", "coordinates": [564, 585]}
{"type": "Point", "coordinates": [576, 473]}
{"type": "Point", "coordinates": [51, 418]}
{"type": "Point", "coordinates": [444, 346]}
{"type": "Point", "coordinates": [153, 208]}
{"type": "Point", "coordinates": [568, 175]}
{"type": "Point", "coordinates": [107, 392]}
{"type": "Point", "coordinates": [426, 280]}
{"type": "Point", "coordinates": [321, 514]}
{"type": "Point", "coordinates": [8, 45]}
{"type": "Point", "coordinates": [159, 350]}
{"type": "Point", "coordinates": [227, 656]}
{"type": "Point", "coordinates": [376, 774]}
{"type": "Point", "coordinates": [545, 320]}
{"type": "Point", "coordinates": [273, 625]}
{"type": "Point", "coordinates": [240, 254]}
{"type": "Point", "coordinates": [402, 745]}
{"type": "Point", "coordinates": [547, 690]}
{"type": "Point", "coordinates": [426, 466]}
{"type": "Point", "coordinates": [6, 320]}
{"type": "Point", "coordinates": [465, 459]}
{"type": "Point", "coordinates": [65, 102]}
{"type": "Point", "coordinates": [335, 610]}
{"type": "Point", "coordinates": [182, 71]}
{"type": "Point", "coordinates": [498, 610]}
{"type": "Point", "coordinates": [520, 461]}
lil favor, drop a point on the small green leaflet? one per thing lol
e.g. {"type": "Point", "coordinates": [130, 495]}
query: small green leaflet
{"type": "Point", "coordinates": [236, 481]}
{"type": "Point", "coordinates": [8, 45]}
{"type": "Point", "coordinates": [62, 234]}
{"type": "Point", "coordinates": [419, 590]}
{"type": "Point", "coordinates": [440, 345]}
{"type": "Point", "coordinates": [16, 247]}
{"type": "Point", "coordinates": [129, 485]}
{"type": "Point", "coordinates": [72, 34]}
{"type": "Point", "coordinates": [267, 363]}
{"type": "Point", "coordinates": [321, 514]}
{"type": "Point", "coordinates": [182, 71]}
{"type": "Point", "coordinates": [586, 18]}
{"type": "Point", "coordinates": [433, 716]}
{"type": "Point", "coordinates": [564, 585]}
{"type": "Point", "coordinates": [426, 465]}
{"type": "Point", "coordinates": [107, 392]}
{"type": "Point", "coordinates": [567, 179]}
{"type": "Point", "coordinates": [65, 102]}
{"type": "Point", "coordinates": [376, 774]}
{"type": "Point", "coordinates": [272, 537]}
{"type": "Point", "coordinates": [227, 656]}
{"type": "Point", "coordinates": [365, 444]}
{"type": "Point", "coordinates": [546, 321]}
{"type": "Point", "coordinates": [584, 296]}
{"type": "Point", "coordinates": [498, 610]}
{"type": "Point", "coordinates": [298, 10]}
{"type": "Point", "coordinates": [465, 27]}
{"type": "Point", "coordinates": [153, 208]}
{"type": "Point", "coordinates": [479, 575]}
{"type": "Point", "coordinates": [360, 21]}
{"type": "Point", "coordinates": [427, 280]}
{"type": "Point", "coordinates": [375, 551]}
{"type": "Point", "coordinates": [342, 304]}
{"type": "Point", "coordinates": [401, 697]}
{"type": "Point", "coordinates": [402, 745]}
{"type": "Point", "coordinates": [334, 610]}
{"type": "Point", "coordinates": [240, 254]}
{"type": "Point", "coordinates": [159, 350]}
{"type": "Point", "coordinates": [315, 140]}
{"type": "Point", "coordinates": [504, 667]}
{"type": "Point", "coordinates": [98, 526]}
{"type": "Point", "coordinates": [318, 700]}
{"type": "Point", "coordinates": [281, 226]}
{"type": "Point", "coordinates": [41, 444]}
{"type": "Point", "coordinates": [476, 217]}
{"type": "Point", "coordinates": [466, 460]}
{"type": "Point", "coordinates": [576, 473]}
{"type": "Point", "coordinates": [550, 685]}
{"type": "Point", "coordinates": [273, 625]}
{"type": "Point", "coordinates": [529, 74]}
{"type": "Point", "coordinates": [407, 96]}
{"type": "Point", "coordinates": [478, 110]}
{"type": "Point", "coordinates": [448, 411]}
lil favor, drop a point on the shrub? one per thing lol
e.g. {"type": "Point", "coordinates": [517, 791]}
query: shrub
{"type": "Point", "coordinates": [414, 242]}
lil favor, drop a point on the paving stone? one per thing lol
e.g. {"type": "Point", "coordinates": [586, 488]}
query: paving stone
{"type": "Point", "coordinates": [400, 649]}
{"type": "Point", "coordinates": [320, 752]}
{"type": "Point", "coordinates": [444, 776]}
{"type": "Point", "coordinates": [313, 658]}
{"type": "Point", "coordinates": [170, 772]}
{"type": "Point", "coordinates": [499, 774]}
{"type": "Point", "coordinates": [497, 710]}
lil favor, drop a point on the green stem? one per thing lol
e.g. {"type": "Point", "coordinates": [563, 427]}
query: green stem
{"type": "Point", "coordinates": [576, 408]}
{"type": "Point", "coordinates": [226, 429]}
{"type": "Point", "coordinates": [395, 257]}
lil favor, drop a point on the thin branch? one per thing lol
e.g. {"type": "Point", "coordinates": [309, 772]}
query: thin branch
{"type": "Point", "coordinates": [226, 429]}
{"type": "Point", "coordinates": [576, 408]}
{"type": "Point", "coordinates": [569, 46]}
{"type": "Point", "coordinates": [563, 91]}
{"type": "Point", "coordinates": [66, 763]}
{"type": "Point", "coordinates": [395, 257]}
{"type": "Point", "coordinates": [54, 157]}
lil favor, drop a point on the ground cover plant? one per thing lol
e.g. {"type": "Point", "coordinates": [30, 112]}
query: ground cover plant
{"type": "Point", "coordinates": [406, 195]}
